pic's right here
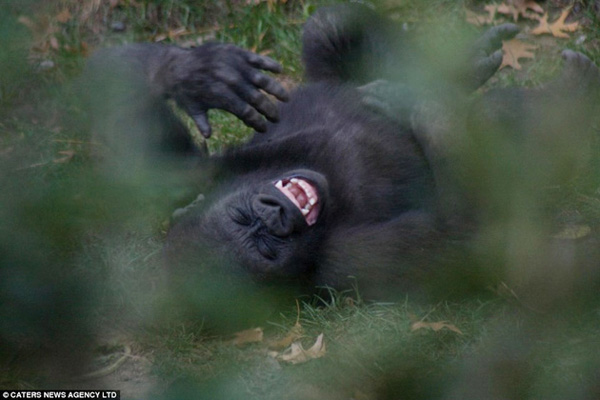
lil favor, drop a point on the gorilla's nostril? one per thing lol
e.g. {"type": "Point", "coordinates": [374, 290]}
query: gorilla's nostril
{"type": "Point", "coordinates": [278, 217]}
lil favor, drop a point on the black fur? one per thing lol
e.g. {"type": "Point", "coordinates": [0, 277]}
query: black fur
{"type": "Point", "coordinates": [383, 167]}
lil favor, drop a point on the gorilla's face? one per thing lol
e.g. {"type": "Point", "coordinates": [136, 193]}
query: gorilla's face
{"type": "Point", "coordinates": [274, 227]}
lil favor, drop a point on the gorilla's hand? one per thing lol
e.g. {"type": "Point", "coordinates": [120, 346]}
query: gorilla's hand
{"type": "Point", "coordinates": [486, 57]}
{"type": "Point", "coordinates": [226, 77]}
{"type": "Point", "coordinates": [390, 99]}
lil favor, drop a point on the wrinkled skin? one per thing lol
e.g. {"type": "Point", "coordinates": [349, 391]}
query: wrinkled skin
{"type": "Point", "coordinates": [371, 150]}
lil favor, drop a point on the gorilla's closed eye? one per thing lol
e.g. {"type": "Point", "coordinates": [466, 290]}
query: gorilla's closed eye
{"type": "Point", "coordinates": [239, 216]}
{"type": "Point", "coordinates": [265, 249]}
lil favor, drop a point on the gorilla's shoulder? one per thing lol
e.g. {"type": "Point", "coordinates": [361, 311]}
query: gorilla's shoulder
{"type": "Point", "coordinates": [331, 107]}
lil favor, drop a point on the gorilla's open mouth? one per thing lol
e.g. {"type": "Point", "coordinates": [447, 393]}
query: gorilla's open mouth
{"type": "Point", "coordinates": [303, 194]}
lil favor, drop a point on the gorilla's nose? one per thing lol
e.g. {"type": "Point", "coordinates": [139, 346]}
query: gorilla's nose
{"type": "Point", "coordinates": [278, 217]}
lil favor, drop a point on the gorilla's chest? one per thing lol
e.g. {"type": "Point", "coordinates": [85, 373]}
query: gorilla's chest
{"type": "Point", "coordinates": [371, 163]}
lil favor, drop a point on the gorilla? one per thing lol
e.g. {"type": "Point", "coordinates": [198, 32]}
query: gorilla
{"type": "Point", "coordinates": [352, 180]}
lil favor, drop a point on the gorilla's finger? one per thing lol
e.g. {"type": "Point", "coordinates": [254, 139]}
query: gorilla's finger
{"type": "Point", "coordinates": [486, 67]}
{"type": "Point", "coordinates": [244, 111]}
{"type": "Point", "coordinates": [263, 62]}
{"type": "Point", "coordinates": [201, 121]}
{"type": "Point", "coordinates": [493, 37]}
{"type": "Point", "coordinates": [377, 105]}
{"type": "Point", "coordinates": [228, 76]}
{"type": "Point", "coordinates": [269, 85]}
{"type": "Point", "coordinates": [253, 119]}
{"type": "Point", "coordinates": [259, 101]}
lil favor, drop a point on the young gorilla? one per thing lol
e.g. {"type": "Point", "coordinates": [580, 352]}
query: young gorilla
{"type": "Point", "coordinates": [352, 184]}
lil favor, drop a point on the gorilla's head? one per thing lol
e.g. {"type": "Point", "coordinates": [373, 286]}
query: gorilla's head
{"type": "Point", "coordinates": [272, 225]}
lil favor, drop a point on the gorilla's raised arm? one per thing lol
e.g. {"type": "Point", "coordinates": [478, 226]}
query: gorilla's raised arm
{"type": "Point", "coordinates": [219, 76]}
{"type": "Point", "coordinates": [128, 86]}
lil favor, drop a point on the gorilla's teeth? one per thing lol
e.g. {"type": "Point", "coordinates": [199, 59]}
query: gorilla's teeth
{"type": "Point", "coordinates": [302, 194]}
{"type": "Point", "coordinates": [304, 187]}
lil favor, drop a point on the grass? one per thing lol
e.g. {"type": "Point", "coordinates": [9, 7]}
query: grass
{"type": "Point", "coordinates": [80, 252]}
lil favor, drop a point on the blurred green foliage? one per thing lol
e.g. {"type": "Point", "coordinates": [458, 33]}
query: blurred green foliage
{"type": "Point", "coordinates": [80, 249]}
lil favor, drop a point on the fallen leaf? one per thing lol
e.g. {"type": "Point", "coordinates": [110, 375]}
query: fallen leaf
{"type": "Point", "coordinates": [27, 22]}
{"type": "Point", "coordinates": [88, 8]}
{"type": "Point", "coordinates": [508, 9]}
{"type": "Point", "coordinates": [296, 354]}
{"type": "Point", "coordinates": [67, 155]}
{"type": "Point", "coordinates": [64, 16]}
{"type": "Point", "coordinates": [477, 19]}
{"type": "Point", "coordinates": [54, 43]}
{"type": "Point", "coordinates": [516, 8]}
{"type": "Point", "coordinates": [435, 326]}
{"type": "Point", "coordinates": [543, 26]}
{"type": "Point", "coordinates": [42, 30]}
{"type": "Point", "coordinates": [523, 6]}
{"type": "Point", "coordinates": [318, 349]}
{"type": "Point", "coordinates": [574, 232]}
{"type": "Point", "coordinates": [254, 335]}
{"type": "Point", "coordinates": [293, 334]}
{"type": "Point", "coordinates": [557, 28]}
{"type": "Point", "coordinates": [491, 9]}
{"type": "Point", "coordinates": [514, 50]}
{"type": "Point", "coordinates": [84, 49]}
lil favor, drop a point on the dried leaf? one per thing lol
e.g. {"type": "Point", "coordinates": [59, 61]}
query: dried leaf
{"type": "Point", "coordinates": [54, 43]}
{"type": "Point", "coordinates": [296, 354]}
{"type": "Point", "coordinates": [89, 8]}
{"type": "Point", "coordinates": [508, 9]}
{"type": "Point", "coordinates": [477, 19]}
{"type": "Point", "coordinates": [64, 16]}
{"type": "Point", "coordinates": [543, 26]}
{"type": "Point", "coordinates": [254, 335]}
{"type": "Point", "coordinates": [175, 33]}
{"type": "Point", "coordinates": [491, 9]}
{"type": "Point", "coordinates": [318, 349]}
{"type": "Point", "coordinates": [28, 23]}
{"type": "Point", "coordinates": [84, 49]}
{"type": "Point", "coordinates": [558, 27]}
{"type": "Point", "coordinates": [67, 155]}
{"type": "Point", "coordinates": [523, 5]}
{"type": "Point", "coordinates": [42, 30]}
{"type": "Point", "coordinates": [160, 37]}
{"type": "Point", "coordinates": [435, 326]}
{"type": "Point", "coordinates": [293, 334]}
{"type": "Point", "coordinates": [514, 50]}
{"type": "Point", "coordinates": [516, 8]}
{"type": "Point", "coordinates": [574, 232]}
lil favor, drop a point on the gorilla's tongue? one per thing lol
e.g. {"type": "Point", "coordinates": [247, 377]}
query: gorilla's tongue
{"type": "Point", "coordinates": [304, 196]}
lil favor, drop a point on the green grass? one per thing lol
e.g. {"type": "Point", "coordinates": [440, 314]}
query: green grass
{"type": "Point", "coordinates": [80, 252]}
